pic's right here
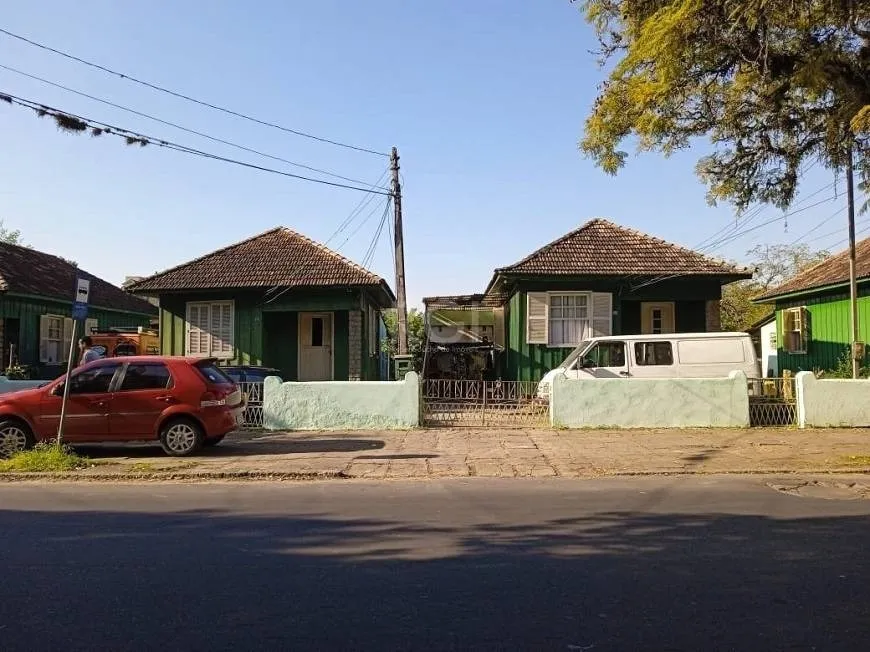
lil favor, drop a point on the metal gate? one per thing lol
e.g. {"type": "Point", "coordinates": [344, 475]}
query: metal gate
{"type": "Point", "coordinates": [483, 404]}
{"type": "Point", "coordinates": [253, 416]}
{"type": "Point", "coordinates": [772, 402]}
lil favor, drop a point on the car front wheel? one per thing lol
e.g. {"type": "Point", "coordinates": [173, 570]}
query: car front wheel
{"type": "Point", "coordinates": [180, 437]}
{"type": "Point", "coordinates": [15, 437]}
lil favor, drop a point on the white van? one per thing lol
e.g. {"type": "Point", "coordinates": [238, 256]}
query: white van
{"type": "Point", "coordinates": [675, 355]}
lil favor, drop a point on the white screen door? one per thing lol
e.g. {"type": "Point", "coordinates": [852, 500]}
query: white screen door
{"type": "Point", "coordinates": [315, 346]}
{"type": "Point", "coordinates": [657, 318]}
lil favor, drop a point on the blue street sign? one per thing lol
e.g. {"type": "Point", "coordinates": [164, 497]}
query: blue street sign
{"type": "Point", "coordinates": [80, 310]}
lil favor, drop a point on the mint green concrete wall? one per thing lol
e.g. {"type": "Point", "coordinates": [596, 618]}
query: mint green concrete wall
{"type": "Point", "coordinates": [7, 385]}
{"type": "Point", "coordinates": [355, 405]}
{"type": "Point", "coordinates": [832, 403]}
{"type": "Point", "coordinates": [650, 403]}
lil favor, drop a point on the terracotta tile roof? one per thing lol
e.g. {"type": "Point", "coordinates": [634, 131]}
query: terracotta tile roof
{"type": "Point", "coordinates": [466, 301]}
{"type": "Point", "coordinates": [831, 271]}
{"type": "Point", "coordinates": [602, 248]}
{"type": "Point", "coordinates": [27, 271]}
{"type": "Point", "coordinates": [277, 258]}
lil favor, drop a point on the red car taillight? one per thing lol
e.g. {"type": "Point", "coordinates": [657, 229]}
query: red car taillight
{"type": "Point", "coordinates": [213, 398]}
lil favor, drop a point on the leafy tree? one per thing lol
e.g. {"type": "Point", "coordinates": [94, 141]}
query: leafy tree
{"type": "Point", "coordinates": [416, 335]}
{"type": "Point", "coordinates": [772, 83]}
{"type": "Point", "coordinates": [774, 264]}
{"type": "Point", "coordinates": [9, 236]}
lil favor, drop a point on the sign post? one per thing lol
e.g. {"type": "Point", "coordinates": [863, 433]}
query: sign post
{"type": "Point", "coordinates": [79, 312]}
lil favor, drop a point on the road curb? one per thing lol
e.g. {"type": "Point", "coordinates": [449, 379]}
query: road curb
{"type": "Point", "coordinates": [287, 476]}
{"type": "Point", "coordinates": [170, 476]}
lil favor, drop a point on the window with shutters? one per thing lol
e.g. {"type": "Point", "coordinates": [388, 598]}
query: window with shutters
{"type": "Point", "coordinates": [210, 329]}
{"type": "Point", "coordinates": [55, 335]}
{"type": "Point", "coordinates": [565, 319]}
{"type": "Point", "coordinates": [795, 330]}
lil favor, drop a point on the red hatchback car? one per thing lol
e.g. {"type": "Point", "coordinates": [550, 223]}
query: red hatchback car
{"type": "Point", "coordinates": [185, 403]}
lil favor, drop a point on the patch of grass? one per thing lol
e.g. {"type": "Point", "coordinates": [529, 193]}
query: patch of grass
{"type": "Point", "coordinates": [856, 460]}
{"type": "Point", "coordinates": [44, 457]}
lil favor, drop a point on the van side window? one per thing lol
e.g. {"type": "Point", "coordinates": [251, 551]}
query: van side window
{"type": "Point", "coordinates": [648, 354]}
{"type": "Point", "coordinates": [606, 354]}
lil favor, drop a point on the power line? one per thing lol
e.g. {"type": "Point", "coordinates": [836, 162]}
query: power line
{"type": "Point", "coordinates": [370, 252]}
{"type": "Point", "coordinates": [178, 126]}
{"type": "Point", "coordinates": [74, 122]}
{"type": "Point", "coordinates": [187, 97]}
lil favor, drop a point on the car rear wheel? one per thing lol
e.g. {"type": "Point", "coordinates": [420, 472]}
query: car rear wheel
{"type": "Point", "coordinates": [15, 436]}
{"type": "Point", "coordinates": [180, 437]}
{"type": "Point", "coordinates": [214, 441]}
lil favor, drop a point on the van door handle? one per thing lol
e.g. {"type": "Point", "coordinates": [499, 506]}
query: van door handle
{"type": "Point", "coordinates": [624, 373]}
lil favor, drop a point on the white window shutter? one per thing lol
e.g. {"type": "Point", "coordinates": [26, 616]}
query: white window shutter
{"type": "Point", "coordinates": [804, 329]}
{"type": "Point", "coordinates": [195, 335]}
{"type": "Point", "coordinates": [602, 314]}
{"type": "Point", "coordinates": [43, 338]}
{"type": "Point", "coordinates": [67, 338]}
{"type": "Point", "coordinates": [91, 325]}
{"type": "Point", "coordinates": [222, 343]}
{"type": "Point", "coordinates": [537, 317]}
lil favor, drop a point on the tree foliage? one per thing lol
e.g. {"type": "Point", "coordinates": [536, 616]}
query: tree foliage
{"type": "Point", "coordinates": [772, 83]}
{"type": "Point", "coordinates": [416, 335]}
{"type": "Point", "coordinates": [9, 236]}
{"type": "Point", "coordinates": [774, 264]}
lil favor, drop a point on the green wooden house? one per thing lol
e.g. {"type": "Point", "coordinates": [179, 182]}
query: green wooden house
{"type": "Point", "coordinates": [36, 291]}
{"type": "Point", "coordinates": [278, 299]}
{"type": "Point", "coordinates": [601, 279]}
{"type": "Point", "coordinates": [812, 312]}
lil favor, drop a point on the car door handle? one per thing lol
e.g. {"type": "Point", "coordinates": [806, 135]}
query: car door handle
{"type": "Point", "coordinates": [167, 398]}
{"type": "Point", "coordinates": [99, 402]}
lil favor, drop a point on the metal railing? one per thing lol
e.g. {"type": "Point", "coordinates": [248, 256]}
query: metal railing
{"type": "Point", "coordinates": [772, 401]}
{"type": "Point", "coordinates": [253, 416]}
{"type": "Point", "coordinates": [483, 403]}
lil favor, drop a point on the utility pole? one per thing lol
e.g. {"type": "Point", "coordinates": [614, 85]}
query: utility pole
{"type": "Point", "coordinates": [401, 301]}
{"type": "Point", "coordinates": [853, 283]}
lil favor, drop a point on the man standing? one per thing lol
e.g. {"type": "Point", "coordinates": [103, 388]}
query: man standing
{"type": "Point", "coordinates": [87, 350]}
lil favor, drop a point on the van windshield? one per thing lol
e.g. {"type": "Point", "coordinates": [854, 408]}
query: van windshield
{"type": "Point", "coordinates": [576, 353]}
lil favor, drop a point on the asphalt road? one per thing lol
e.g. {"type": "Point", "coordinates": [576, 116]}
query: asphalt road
{"type": "Point", "coordinates": [616, 564]}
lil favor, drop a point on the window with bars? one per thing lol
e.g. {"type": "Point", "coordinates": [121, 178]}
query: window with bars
{"type": "Point", "coordinates": [210, 329]}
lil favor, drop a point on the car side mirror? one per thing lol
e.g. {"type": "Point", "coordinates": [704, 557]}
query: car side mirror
{"type": "Point", "coordinates": [57, 391]}
{"type": "Point", "coordinates": [588, 363]}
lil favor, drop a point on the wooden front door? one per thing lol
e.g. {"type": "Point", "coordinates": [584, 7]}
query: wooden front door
{"type": "Point", "coordinates": [315, 346]}
{"type": "Point", "coordinates": [657, 318]}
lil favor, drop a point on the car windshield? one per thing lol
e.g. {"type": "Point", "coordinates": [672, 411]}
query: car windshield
{"type": "Point", "coordinates": [576, 353]}
{"type": "Point", "coordinates": [212, 373]}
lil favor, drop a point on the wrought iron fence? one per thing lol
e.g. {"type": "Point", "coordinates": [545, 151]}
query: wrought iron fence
{"type": "Point", "coordinates": [772, 401]}
{"type": "Point", "coordinates": [483, 403]}
{"type": "Point", "coordinates": [253, 415]}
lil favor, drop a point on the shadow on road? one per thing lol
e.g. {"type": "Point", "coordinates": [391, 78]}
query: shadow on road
{"type": "Point", "coordinates": [615, 581]}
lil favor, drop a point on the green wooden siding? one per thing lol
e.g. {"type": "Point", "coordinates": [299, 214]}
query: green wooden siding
{"type": "Point", "coordinates": [29, 310]}
{"type": "Point", "coordinates": [829, 330]}
{"type": "Point", "coordinates": [529, 362]}
{"type": "Point", "coordinates": [268, 333]}
{"type": "Point", "coordinates": [526, 361]}
{"type": "Point", "coordinates": [281, 343]}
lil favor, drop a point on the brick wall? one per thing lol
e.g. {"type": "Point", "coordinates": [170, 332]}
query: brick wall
{"type": "Point", "coordinates": [714, 316]}
{"type": "Point", "coordinates": [354, 345]}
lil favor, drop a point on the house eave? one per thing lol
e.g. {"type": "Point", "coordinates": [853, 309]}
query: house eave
{"type": "Point", "coordinates": [795, 294]}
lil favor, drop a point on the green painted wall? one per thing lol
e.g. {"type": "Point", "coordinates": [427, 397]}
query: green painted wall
{"type": "Point", "coordinates": [829, 329]}
{"type": "Point", "coordinates": [267, 333]}
{"type": "Point", "coordinates": [526, 361]}
{"type": "Point", "coordinates": [529, 362]}
{"type": "Point", "coordinates": [341, 366]}
{"type": "Point", "coordinates": [281, 343]}
{"type": "Point", "coordinates": [28, 311]}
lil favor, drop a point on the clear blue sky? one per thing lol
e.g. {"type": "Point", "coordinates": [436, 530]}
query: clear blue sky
{"type": "Point", "coordinates": [485, 101]}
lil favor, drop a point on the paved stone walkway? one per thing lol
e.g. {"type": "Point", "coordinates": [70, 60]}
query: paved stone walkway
{"type": "Point", "coordinates": [498, 453]}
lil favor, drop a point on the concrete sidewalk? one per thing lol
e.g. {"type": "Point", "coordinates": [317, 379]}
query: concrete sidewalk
{"type": "Point", "coordinates": [492, 453]}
